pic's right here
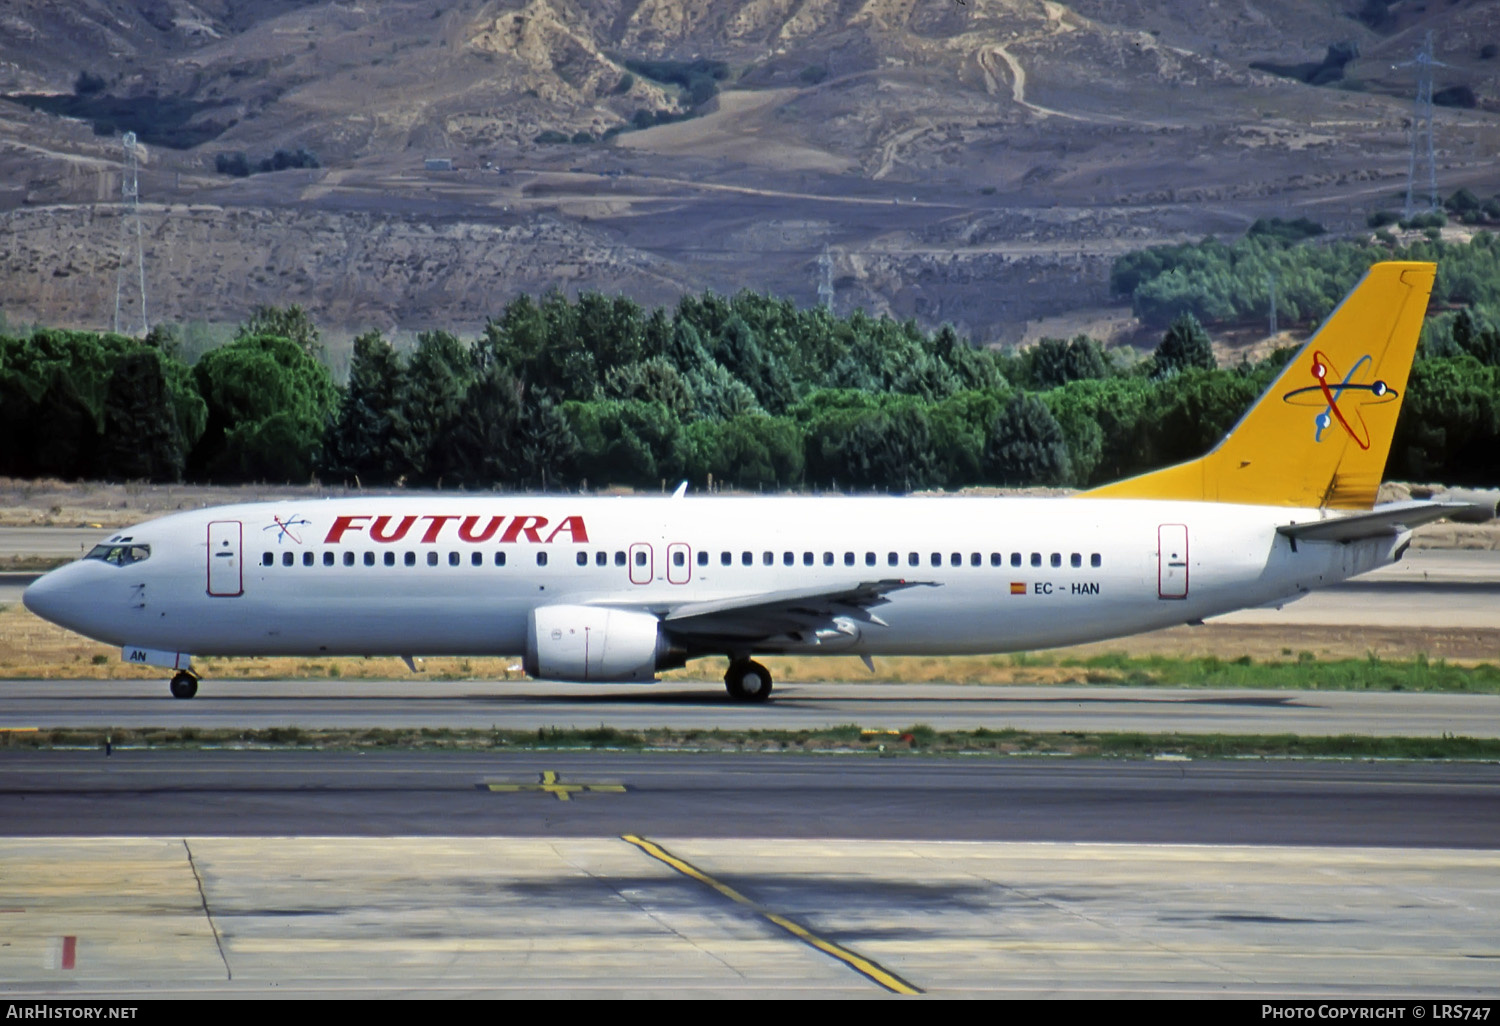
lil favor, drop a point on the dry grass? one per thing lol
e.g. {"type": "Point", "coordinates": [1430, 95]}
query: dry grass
{"type": "Point", "coordinates": [31, 648]}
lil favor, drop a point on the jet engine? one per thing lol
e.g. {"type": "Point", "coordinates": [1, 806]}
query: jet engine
{"type": "Point", "coordinates": [596, 644]}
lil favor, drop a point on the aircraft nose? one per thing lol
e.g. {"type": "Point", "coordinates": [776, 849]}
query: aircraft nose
{"type": "Point", "coordinates": [51, 597]}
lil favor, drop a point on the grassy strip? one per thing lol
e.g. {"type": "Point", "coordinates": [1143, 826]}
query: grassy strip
{"type": "Point", "coordinates": [1305, 672]}
{"type": "Point", "coordinates": [918, 738]}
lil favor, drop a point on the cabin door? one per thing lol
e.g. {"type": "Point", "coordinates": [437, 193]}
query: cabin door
{"type": "Point", "coordinates": [226, 575]}
{"type": "Point", "coordinates": [1172, 561]}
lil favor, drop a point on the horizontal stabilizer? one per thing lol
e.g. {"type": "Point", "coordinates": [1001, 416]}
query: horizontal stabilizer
{"type": "Point", "coordinates": [1383, 520]}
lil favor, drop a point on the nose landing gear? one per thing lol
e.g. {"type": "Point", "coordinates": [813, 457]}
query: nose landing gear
{"type": "Point", "coordinates": [747, 681]}
{"type": "Point", "coordinates": [184, 685]}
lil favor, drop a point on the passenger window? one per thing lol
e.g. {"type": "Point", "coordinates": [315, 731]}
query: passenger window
{"type": "Point", "coordinates": [996, 559]}
{"type": "Point", "coordinates": [619, 559]}
{"type": "Point", "coordinates": [746, 559]}
{"type": "Point", "coordinates": [788, 558]}
{"type": "Point", "coordinates": [640, 559]}
{"type": "Point", "coordinates": [1057, 559]}
{"type": "Point", "coordinates": [768, 558]}
{"type": "Point", "coordinates": [266, 559]}
{"type": "Point", "coordinates": [541, 559]}
{"type": "Point", "coordinates": [601, 559]}
{"type": "Point", "coordinates": [328, 559]}
{"type": "Point", "coordinates": [726, 558]}
{"type": "Point", "coordinates": [892, 559]}
{"type": "Point", "coordinates": [807, 559]}
{"type": "Point", "coordinates": [369, 559]}
{"type": "Point", "coordinates": [1015, 559]}
{"type": "Point", "coordinates": [411, 559]}
{"type": "Point", "coordinates": [307, 559]}
{"type": "Point", "coordinates": [848, 559]}
{"type": "Point", "coordinates": [869, 559]}
{"type": "Point", "coordinates": [937, 559]}
{"type": "Point", "coordinates": [678, 559]}
{"type": "Point", "coordinates": [914, 559]}
{"type": "Point", "coordinates": [828, 559]}
{"type": "Point", "coordinates": [583, 559]}
{"type": "Point", "coordinates": [476, 559]}
{"type": "Point", "coordinates": [432, 559]}
{"type": "Point", "coordinates": [1036, 559]}
{"type": "Point", "coordinates": [1076, 559]}
{"type": "Point", "coordinates": [453, 559]}
{"type": "Point", "coordinates": [348, 559]}
{"type": "Point", "coordinates": [956, 559]}
{"type": "Point", "coordinates": [702, 558]}
{"type": "Point", "coordinates": [390, 559]}
{"type": "Point", "coordinates": [500, 558]}
{"type": "Point", "coordinates": [287, 559]}
{"type": "Point", "coordinates": [1094, 559]}
{"type": "Point", "coordinates": [975, 560]}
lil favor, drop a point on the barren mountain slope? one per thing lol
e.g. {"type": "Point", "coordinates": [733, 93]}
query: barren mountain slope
{"type": "Point", "coordinates": [979, 162]}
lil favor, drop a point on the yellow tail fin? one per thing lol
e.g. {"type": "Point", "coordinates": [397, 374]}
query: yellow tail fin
{"type": "Point", "coordinates": [1320, 435]}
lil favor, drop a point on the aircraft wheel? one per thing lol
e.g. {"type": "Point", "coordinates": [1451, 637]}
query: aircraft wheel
{"type": "Point", "coordinates": [748, 681]}
{"type": "Point", "coordinates": [184, 685]}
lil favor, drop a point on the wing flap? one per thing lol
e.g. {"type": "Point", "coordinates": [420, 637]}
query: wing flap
{"type": "Point", "coordinates": [769, 614]}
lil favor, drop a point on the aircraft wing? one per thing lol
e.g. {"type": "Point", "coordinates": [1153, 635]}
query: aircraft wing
{"type": "Point", "coordinates": [770, 614]}
{"type": "Point", "coordinates": [1381, 521]}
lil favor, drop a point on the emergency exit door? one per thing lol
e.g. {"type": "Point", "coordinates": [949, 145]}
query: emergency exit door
{"type": "Point", "coordinates": [1172, 561]}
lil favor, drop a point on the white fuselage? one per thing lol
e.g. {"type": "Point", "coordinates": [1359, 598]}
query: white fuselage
{"type": "Point", "coordinates": [439, 575]}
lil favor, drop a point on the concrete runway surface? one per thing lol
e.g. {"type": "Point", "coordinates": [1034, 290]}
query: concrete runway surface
{"type": "Point", "coordinates": [528, 705]}
{"type": "Point", "coordinates": [743, 877]}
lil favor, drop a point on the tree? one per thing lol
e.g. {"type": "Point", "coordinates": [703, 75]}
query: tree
{"type": "Point", "coordinates": [1026, 446]}
{"type": "Point", "coordinates": [88, 84]}
{"type": "Point", "coordinates": [289, 322]}
{"type": "Point", "coordinates": [361, 441]}
{"type": "Point", "coordinates": [437, 377]}
{"type": "Point", "coordinates": [741, 353]}
{"type": "Point", "coordinates": [1185, 345]}
{"type": "Point", "coordinates": [504, 437]}
{"type": "Point", "coordinates": [627, 442]}
{"type": "Point", "coordinates": [149, 424]}
{"type": "Point", "coordinates": [269, 405]}
{"type": "Point", "coordinates": [1054, 362]}
{"type": "Point", "coordinates": [751, 452]}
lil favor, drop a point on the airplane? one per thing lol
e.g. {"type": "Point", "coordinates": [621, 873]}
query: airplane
{"type": "Point", "coordinates": [617, 589]}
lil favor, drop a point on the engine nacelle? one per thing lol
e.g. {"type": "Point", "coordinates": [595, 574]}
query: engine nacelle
{"type": "Point", "coordinates": [595, 644]}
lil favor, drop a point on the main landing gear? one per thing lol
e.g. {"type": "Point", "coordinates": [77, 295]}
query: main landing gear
{"type": "Point", "coordinates": [747, 681]}
{"type": "Point", "coordinates": [184, 685]}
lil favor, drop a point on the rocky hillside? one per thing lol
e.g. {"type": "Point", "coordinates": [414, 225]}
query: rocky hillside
{"type": "Point", "coordinates": [977, 162]}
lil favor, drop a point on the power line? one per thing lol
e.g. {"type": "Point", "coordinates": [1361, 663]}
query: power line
{"type": "Point", "coordinates": [825, 284]}
{"type": "Point", "coordinates": [1421, 126]}
{"type": "Point", "coordinates": [131, 239]}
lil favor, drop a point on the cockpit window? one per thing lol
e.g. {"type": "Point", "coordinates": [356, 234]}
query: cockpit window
{"type": "Point", "coordinates": [120, 555]}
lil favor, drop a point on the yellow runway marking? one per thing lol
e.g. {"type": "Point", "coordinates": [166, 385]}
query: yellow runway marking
{"type": "Point", "coordinates": [860, 964]}
{"type": "Point", "coordinates": [551, 785]}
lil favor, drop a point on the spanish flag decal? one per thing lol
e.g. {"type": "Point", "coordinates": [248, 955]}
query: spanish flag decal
{"type": "Point", "coordinates": [1018, 587]}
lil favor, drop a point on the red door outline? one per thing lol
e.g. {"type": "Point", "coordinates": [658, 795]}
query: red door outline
{"type": "Point", "coordinates": [679, 574]}
{"type": "Point", "coordinates": [1172, 561]}
{"type": "Point", "coordinates": [226, 570]}
{"type": "Point", "coordinates": [642, 571]}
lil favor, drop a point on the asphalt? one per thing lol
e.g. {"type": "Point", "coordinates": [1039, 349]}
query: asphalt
{"type": "Point", "coordinates": [530, 705]}
{"type": "Point", "coordinates": [252, 874]}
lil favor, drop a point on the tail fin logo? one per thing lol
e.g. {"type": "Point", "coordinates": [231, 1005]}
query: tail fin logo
{"type": "Point", "coordinates": [1330, 395]}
